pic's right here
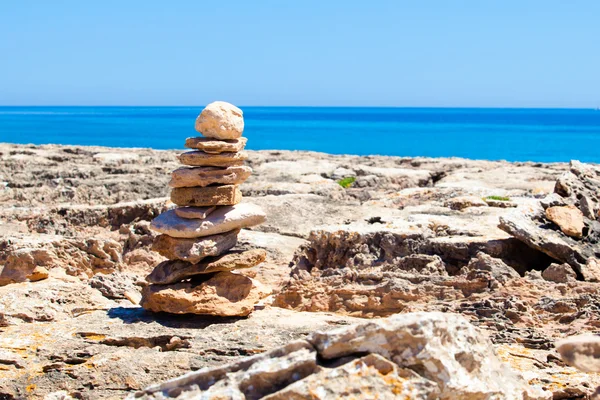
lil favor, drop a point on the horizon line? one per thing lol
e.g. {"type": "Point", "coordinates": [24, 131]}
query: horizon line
{"type": "Point", "coordinates": [317, 106]}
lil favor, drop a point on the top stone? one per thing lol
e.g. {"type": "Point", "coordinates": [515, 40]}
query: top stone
{"type": "Point", "coordinates": [220, 120]}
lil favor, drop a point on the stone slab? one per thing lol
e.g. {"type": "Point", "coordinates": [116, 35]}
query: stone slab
{"type": "Point", "coordinates": [225, 195]}
{"type": "Point", "coordinates": [223, 219]}
{"type": "Point", "coordinates": [194, 212]}
{"type": "Point", "coordinates": [204, 176]}
{"type": "Point", "coordinates": [176, 271]}
{"type": "Point", "coordinates": [201, 159]}
{"type": "Point", "coordinates": [196, 249]}
{"type": "Point", "coordinates": [214, 146]}
{"type": "Point", "coordinates": [224, 294]}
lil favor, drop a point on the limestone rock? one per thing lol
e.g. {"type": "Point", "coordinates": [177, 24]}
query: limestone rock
{"type": "Point", "coordinates": [194, 212]}
{"type": "Point", "coordinates": [222, 220]}
{"type": "Point", "coordinates": [212, 146]}
{"type": "Point", "coordinates": [366, 378]}
{"type": "Point", "coordinates": [462, 364]}
{"type": "Point", "coordinates": [559, 273]}
{"type": "Point", "coordinates": [195, 249]}
{"type": "Point", "coordinates": [204, 176]}
{"type": "Point", "coordinates": [568, 218]}
{"type": "Point", "coordinates": [498, 269]}
{"type": "Point", "coordinates": [175, 271]}
{"type": "Point", "coordinates": [116, 285]}
{"type": "Point", "coordinates": [415, 355]}
{"type": "Point", "coordinates": [220, 120]}
{"type": "Point", "coordinates": [202, 159]}
{"type": "Point", "coordinates": [582, 352]}
{"type": "Point", "coordinates": [225, 195]}
{"type": "Point", "coordinates": [224, 294]}
{"type": "Point", "coordinates": [460, 203]}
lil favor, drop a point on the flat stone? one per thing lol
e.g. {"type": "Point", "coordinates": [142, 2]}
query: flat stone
{"type": "Point", "coordinates": [175, 271]}
{"type": "Point", "coordinates": [225, 195]}
{"type": "Point", "coordinates": [202, 159]}
{"type": "Point", "coordinates": [194, 212]}
{"type": "Point", "coordinates": [220, 120]}
{"type": "Point", "coordinates": [224, 294]}
{"type": "Point", "coordinates": [204, 176]}
{"type": "Point", "coordinates": [568, 218]}
{"type": "Point", "coordinates": [223, 219]}
{"type": "Point", "coordinates": [213, 146]}
{"type": "Point", "coordinates": [196, 249]}
{"type": "Point", "coordinates": [582, 352]}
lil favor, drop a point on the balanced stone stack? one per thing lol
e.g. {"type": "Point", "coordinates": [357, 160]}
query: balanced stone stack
{"type": "Point", "coordinates": [199, 235]}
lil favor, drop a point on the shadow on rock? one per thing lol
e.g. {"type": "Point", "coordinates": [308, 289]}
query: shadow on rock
{"type": "Point", "coordinates": [134, 315]}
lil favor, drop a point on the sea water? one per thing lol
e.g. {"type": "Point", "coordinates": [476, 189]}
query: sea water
{"type": "Point", "coordinates": [544, 135]}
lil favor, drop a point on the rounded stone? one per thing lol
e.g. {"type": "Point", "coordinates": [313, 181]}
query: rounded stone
{"type": "Point", "coordinates": [220, 120]}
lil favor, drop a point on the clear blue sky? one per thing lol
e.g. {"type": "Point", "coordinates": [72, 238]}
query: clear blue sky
{"type": "Point", "coordinates": [521, 53]}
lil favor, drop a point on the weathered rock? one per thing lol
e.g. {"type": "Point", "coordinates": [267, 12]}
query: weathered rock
{"type": "Point", "coordinates": [220, 120]}
{"type": "Point", "coordinates": [194, 212]}
{"type": "Point", "coordinates": [225, 195]}
{"type": "Point", "coordinates": [559, 273]}
{"type": "Point", "coordinates": [568, 218]}
{"type": "Point", "coordinates": [368, 377]}
{"type": "Point", "coordinates": [460, 203]}
{"type": "Point", "coordinates": [30, 259]}
{"type": "Point", "coordinates": [223, 294]}
{"type": "Point", "coordinates": [212, 146]}
{"type": "Point", "coordinates": [204, 176]}
{"type": "Point", "coordinates": [116, 285]}
{"type": "Point", "coordinates": [419, 355]}
{"type": "Point", "coordinates": [582, 352]}
{"type": "Point", "coordinates": [175, 271]}
{"type": "Point", "coordinates": [222, 220]}
{"type": "Point", "coordinates": [498, 269]}
{"type": "Point", "coordinates": [531, 227]}
{"type": "Point", "coordinates": [195, 249]}
{"type": "Point", "coordinates": [202, 159]}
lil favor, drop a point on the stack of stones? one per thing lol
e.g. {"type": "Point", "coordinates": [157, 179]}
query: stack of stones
{"type": "Point", "coordinates": [199, 235]}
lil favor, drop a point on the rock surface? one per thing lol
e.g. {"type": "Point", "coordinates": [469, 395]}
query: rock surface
{"type": "Point", "coordinates": [224, 219]}
{"type": "Point", "coordinates": [196, 249]}
{"type": "Point", "coordinates": [582, 352]}
{"type": "Point", "coordinates": [202, 159]}
{"type": "Point", "coordinates": [225, 195]}
{"type": "Point", "coordinates": [220, 120]}
{"type": "Point", "coordinates": [204, 176]}
{"type": "Point", "coordinates": [212, 146]}
{"type": "Point", "coordinates": [174, 271]}
{"type": "Point", "coordinates": [63, 334]}
{"type": "Point", "coordinates": [421, 355]}
{"type": "Point", "coordinates": [223, 294]}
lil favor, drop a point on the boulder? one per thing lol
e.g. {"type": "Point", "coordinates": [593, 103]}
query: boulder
{"type": "Point", "coordinates": [202, 159]}
{"type": "Point", "coordinates": [496, 267]}
{"type": "Point", "coordinates": [559, 273]}
{"type": "Point", "coordinates": [212, 146]}
{"type": "Point", "coordinates": [568, 218]}
{"type": "Point", "coordinates": [175, 271]}
{"type": "Point", "coordinates": [195, 249]}
{"type": "Point", "coordinates": [225, 195]}
{"type": "Point", "coordinates": [220, 120]}
{"type": "Point", "coordinates": [582, 352]}
{"type": "Point", "coordinates": [204, 176]}
{"type": "Point", "coordinates": [417, 355]}
{"type": "Point", "coordinates": [222, 220]}
{"type": "Point", "coordinates": [223, 294]}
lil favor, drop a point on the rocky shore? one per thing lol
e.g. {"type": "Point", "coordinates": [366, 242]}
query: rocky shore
{"type": "Point", "coordinates": [499, 258]}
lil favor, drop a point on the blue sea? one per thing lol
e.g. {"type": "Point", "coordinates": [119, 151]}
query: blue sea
{"type": "Point", "coordinates": [544, 135]}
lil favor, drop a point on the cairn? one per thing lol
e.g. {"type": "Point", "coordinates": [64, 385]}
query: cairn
{"type": "Point", "coordinates": [199, 235]}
